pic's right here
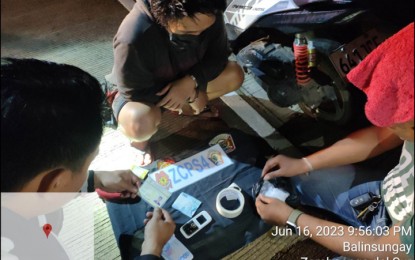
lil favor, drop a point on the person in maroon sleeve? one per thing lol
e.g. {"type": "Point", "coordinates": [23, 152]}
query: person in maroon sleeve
{"type": "Point", "coordinates": [170, 54]}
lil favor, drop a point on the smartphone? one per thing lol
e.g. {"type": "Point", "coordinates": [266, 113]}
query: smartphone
{"type": "Point", "coordinates": [195, 224]}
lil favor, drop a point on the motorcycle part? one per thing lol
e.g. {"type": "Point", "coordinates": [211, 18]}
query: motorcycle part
{"type": "Point", "coordinates": [301, 59]}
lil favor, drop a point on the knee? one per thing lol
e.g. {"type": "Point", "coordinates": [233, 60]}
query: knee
{"type": "Point", "coordinates": [139, 122]}
{"type": "Point", "coordinates": [142, 128]}
{"type": "Point", "coordinates": [236, 76]}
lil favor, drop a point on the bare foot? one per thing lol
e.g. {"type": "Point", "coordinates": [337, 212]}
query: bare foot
{"type": "Point", "coordinates": [143, 155]}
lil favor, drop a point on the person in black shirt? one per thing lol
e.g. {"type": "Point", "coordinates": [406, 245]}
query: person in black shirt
{"type": "Point", "coordinates": [170, 54]}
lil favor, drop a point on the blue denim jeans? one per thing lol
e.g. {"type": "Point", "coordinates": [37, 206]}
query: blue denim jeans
{"type": "Point", "coordinates": [332, 189]}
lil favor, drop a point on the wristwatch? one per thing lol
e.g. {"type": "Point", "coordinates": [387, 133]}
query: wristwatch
{"type": "Point", "coordinates": [292, 220]}
{"type": "Point", "coordinates": [195, 80]}
{"type": "Point", "coordinates": [196, 89]}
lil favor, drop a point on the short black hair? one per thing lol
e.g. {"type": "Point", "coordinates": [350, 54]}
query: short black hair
{"type": "Point", "coordinates": [51, 117]}
{"type": "Point", "coordinates": [165, 11]}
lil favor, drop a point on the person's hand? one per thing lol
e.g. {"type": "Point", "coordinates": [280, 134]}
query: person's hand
{"type": "Point", "coordinates": [283, 166]}
{"type": "Point", "coordinates": [123, 181]}
{"type": "Point", "coordinates": [178, 93]}
{"type": "Point", "coordinates": [159, 229]}
{"type": "Point", "coordinates": [272, 211]}
{"type": "Point", "coordinates": [199, 103]}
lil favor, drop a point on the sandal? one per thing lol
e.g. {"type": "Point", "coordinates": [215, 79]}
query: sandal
{"type": "Point", "coordinates": [207, 112]}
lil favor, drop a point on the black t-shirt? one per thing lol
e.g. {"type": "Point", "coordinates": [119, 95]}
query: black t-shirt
{"type": "Point", "coordinates": [145, 60]}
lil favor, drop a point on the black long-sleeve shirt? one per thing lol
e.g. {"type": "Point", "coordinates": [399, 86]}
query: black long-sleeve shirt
{"type": "Point", "coordinates": [145, 60]}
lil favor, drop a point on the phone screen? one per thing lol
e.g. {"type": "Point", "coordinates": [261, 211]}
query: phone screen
{"type": "Point", "coordinates": [190, 228]}
{"type": "Point", "coordinates": [201, 219]}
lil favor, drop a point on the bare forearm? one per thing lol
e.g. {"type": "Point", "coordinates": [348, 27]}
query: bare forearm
{"type": "Point", "coordinates": [357, 147]}
{"type": "Point", "coordinates": [151, 248]}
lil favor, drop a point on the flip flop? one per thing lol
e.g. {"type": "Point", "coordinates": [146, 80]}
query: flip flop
{"type": "Point", "coordinates": [207, 112]}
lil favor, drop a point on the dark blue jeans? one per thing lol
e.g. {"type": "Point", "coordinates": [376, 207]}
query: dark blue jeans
{"type": "Point", "coordinates": [332, 189]}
